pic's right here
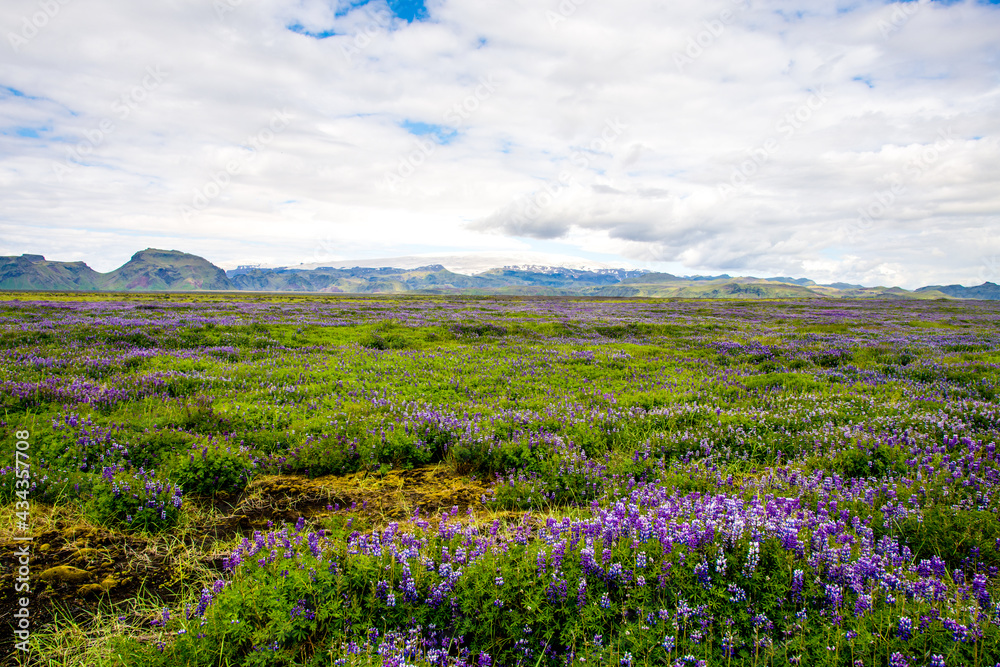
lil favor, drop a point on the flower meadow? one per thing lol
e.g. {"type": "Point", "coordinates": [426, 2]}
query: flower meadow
{"type": "Point", "coordinates": [629, 482]}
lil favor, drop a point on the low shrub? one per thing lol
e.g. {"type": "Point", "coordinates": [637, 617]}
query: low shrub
{"type": "Point", "coordinates": [50, 485]}
{"type": "Point", "coordinates": [958, 537]}
{"type": "Point", "coordinates": [152, 448]}
{"type": "Point", "coordinates": [387, 336]}
{"type": "Point", "coordinates": [324, 455]}
{"type": "Point", "coordinates": [134, 501]}
{"type": "Point", "coordinates": [212, 469]}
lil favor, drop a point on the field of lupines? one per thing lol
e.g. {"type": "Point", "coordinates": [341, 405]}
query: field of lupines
{"type": "Point", "coordinates": [296, 480]}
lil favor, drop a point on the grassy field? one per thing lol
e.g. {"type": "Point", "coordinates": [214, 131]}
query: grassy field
{"type": "Point", "coordinates": [304, 480]}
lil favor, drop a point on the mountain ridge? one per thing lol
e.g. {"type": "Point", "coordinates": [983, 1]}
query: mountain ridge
{"type": "Point", "coordinates": [152, 270]}
{"type": "Point", "coordinates": [988, 291]}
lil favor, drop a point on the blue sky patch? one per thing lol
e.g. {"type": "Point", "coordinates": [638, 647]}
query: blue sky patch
{"type": "Point", "coordinates": [7, 91]}
{"type": "Point", "coordinates": [25, 132]}
{"type": "Point", "coordinates": [409, 10]}
{"type": "Point", "coordinates": [790, 16]}
{"type": "Point", "coordinates": [298, 28]}
{"type": "Point", "coordinates": [354, 4]}
{"type": "Point", "coordinates": [441, 134]}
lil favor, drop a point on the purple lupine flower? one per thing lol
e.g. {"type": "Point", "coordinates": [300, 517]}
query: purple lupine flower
{"type": "Point", "coordinates": [753, 559]}
{"type": "Point", "coordinates": [905, 628]}
{"type": "Point", "coordinates": [203, 602]}
{"type": "Point", "coordinates": [862, 605]}
{"type": "Point", "coordinates": [798, 583]}
{"type": "Point", "coordinates": [899, 660]}
{"type": "Point", "coordinates": [834, 595]}
{"type": "Point", "coordinates": [979, 584]}
{"type": "Point", "coordinates": [701, 570]}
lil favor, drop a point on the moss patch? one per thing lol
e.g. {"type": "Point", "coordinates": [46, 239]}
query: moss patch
{"type": "Point", "coordinates": [65, 574]}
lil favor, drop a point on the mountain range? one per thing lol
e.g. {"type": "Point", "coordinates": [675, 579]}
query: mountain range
{"type": "Point", "coordinates": [172, 270]}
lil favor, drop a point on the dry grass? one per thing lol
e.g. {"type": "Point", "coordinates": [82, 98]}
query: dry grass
{"type": "Point", "coordinates": [184, 558]}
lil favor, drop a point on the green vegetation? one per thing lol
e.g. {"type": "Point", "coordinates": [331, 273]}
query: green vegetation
{"type": "Point", "coordinates": [322, 480]}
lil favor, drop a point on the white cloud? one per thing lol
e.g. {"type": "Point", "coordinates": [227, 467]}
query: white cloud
{"type": "Point", "coordinates": [697, 90]}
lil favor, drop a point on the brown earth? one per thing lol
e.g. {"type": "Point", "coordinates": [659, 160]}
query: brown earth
{"type": "Point", "coordinates": [75, 568]}
{"type": "Point", "coordinates": [389, 497]}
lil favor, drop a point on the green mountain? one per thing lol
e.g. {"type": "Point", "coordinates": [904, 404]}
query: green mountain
{"type": "Point", "coordinates": [157, 270]}
{"type": "Point", "coordinates": [987, 290]}
{"type": "Point", "coordinates": [148, 270]}
{"type": "Point", "coordinates": [719, 288]}
{"type": "Point", "coordinates": [359, 280]}
{"type": "Point", "coordinates": [34, 272]}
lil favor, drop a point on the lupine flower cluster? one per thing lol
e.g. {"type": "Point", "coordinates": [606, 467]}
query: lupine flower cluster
{"type": "Point", "coordinates": [136, 499]}
{"type": "Point", "coordinates": [612, 560]}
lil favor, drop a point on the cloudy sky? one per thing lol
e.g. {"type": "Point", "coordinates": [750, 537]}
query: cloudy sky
{"type": "Point", "coordinates": [853, 140]}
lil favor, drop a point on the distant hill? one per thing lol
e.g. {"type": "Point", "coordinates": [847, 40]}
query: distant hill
{"type": "Point", "coordinates": [791, 281]}
{"type": "Point", "coordinates": [357, 280]}
{"type": "Point", "coordinates": [653, 279]}
{"type": "Point", "coordinates": [34, 272]}
{"type": "Point", "coordinates": [718, 288]}
{"type": "Point", "coordinates": [987, 290]}
{"type": "Point", "coordinates": [161, 270]}
{"type": "Point", "coordinates": [148, 270]}
{"type": "Point", "coordinates": [158, 270]}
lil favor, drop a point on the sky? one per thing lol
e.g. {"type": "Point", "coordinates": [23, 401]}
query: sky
{"type": "Point", "coordinates": [853, 141]}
